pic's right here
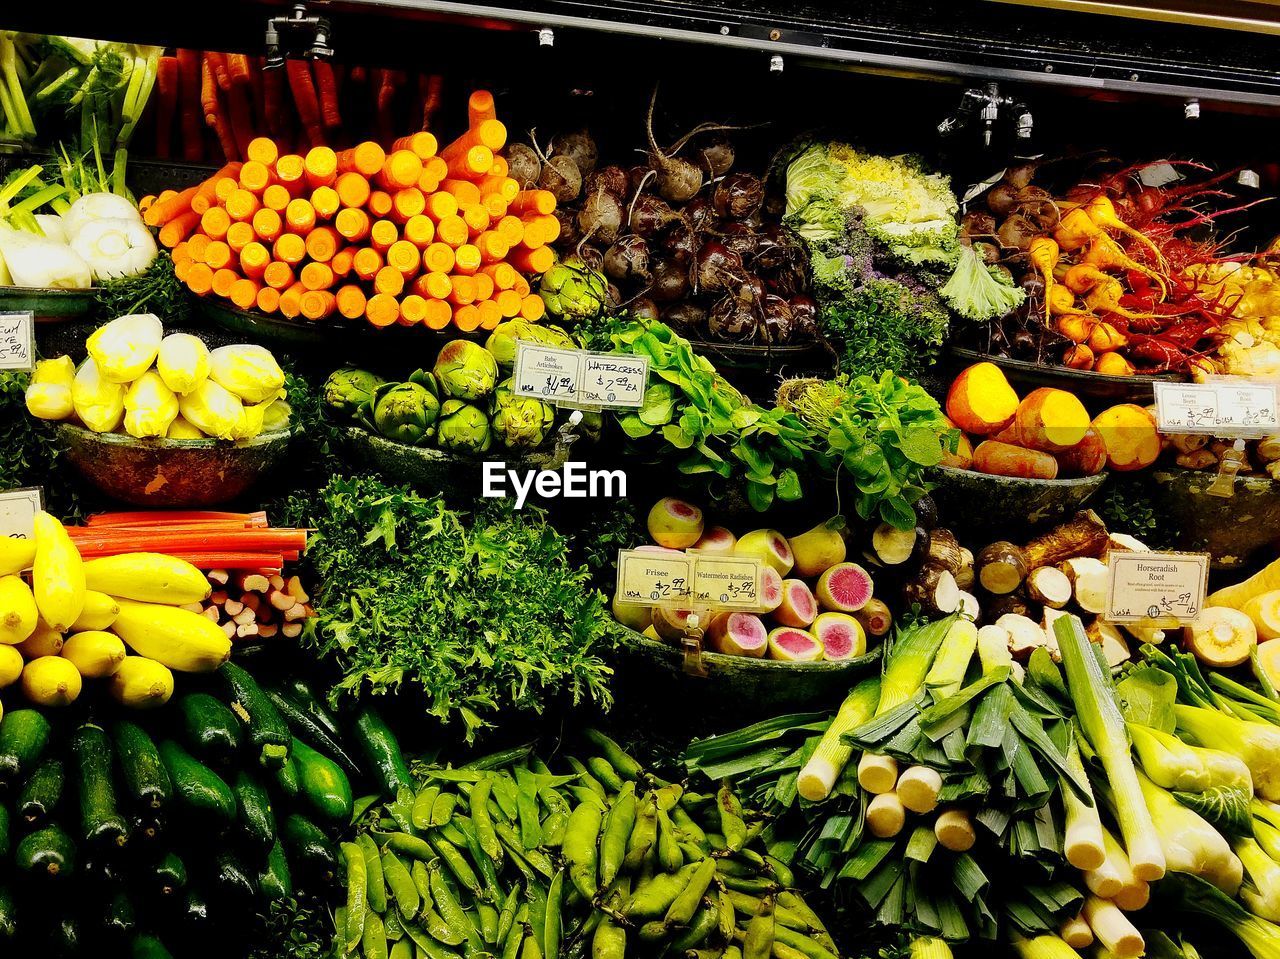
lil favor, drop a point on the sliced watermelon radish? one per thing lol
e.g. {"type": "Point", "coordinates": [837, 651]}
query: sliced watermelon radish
{"type": "Point", "coordinates": [794, 645]}
{"type": "Point", "coordinates": [770, 546]}
{"type": "Point", "coordinates": [738, 634]}
{"type": "Point", "coordinates": [770, 589]}
{"type": "Point", "coordinates": [672, 624]}
{"type": "Point", "coordinates": [674, 523]}
{"type": "Point", "coordinates": [841, 636]}
{"type": "Point", "coordinates": [845, 588]}
{"type": "Point", "coordinates": [798, 606]}
{"type": "Point", "coordinates": [716, 539]}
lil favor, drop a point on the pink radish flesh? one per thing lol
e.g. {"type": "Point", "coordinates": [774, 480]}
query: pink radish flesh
{"type": "Point", "coordinates": [837, 640]}
{"type": "Point", "coordinates": [748, 630]}
{"type": "Point", "coordinates": [783, 550]}
{"type": "Point", "coordinates": [678, 507]}
{"type": "Point", "coordinates": [850, 586]}
{"type": "Point", "coordinates": [795, 641]}
{"type": "Point", "coordinates": [799, 607]}
{"type": "Point", "coordinates": [770, 588]}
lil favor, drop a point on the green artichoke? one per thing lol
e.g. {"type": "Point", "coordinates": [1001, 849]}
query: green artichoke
{"type": "Point", "coordinates": [466, 370]}
{"type": "Point", "coordinates": [349, 389]}
{"type": "Point", "coordinates": [406, 413]}
{"type": "Point", "coordinates": [463, 428]}
{"type": "Point", "coordinates": [572, 291]}
{"type": "Point", "coordinates": [502, 341]}
{"type": "Point", "coordinates": [520, 422]}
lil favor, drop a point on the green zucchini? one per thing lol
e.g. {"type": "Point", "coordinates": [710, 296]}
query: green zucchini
{"type": "Point", "coordinates": [8, 915]}
{"type": "Point", "coordinates": [148, 947]}
{"type": "Point", "coordinates": [197, 787]}
{"type": "Point", "coordinates": [46, 852]}
{"type": "Point", "coordinates": [253, 811]}
{"type": "Point", "coordinates": [302, 725]}
{"type": "Point", "coordinates": [146, 781]}
{"type": "Point", "coordinates": [275, 881]}
{"type": "Point", "coordinates": [267, 730]}
{"type": "Point", "coordinates": [299, 690]}
{"type": "Point", "coordinates": [309, 847]}
{"type": "Point", "coordinates": [169, 875]}
{"type": "Point", "coordinates": [231, 877]}
{"type": "Point", "coordinates": [322, 784]}
{"type": "Point", "coordinates": [381, 751]}
{"type": "Point", "coordinates": [100, 820]}
{"type": "Point", "coordinates": [209, 728]}
{"type": "Point", "coordinates": [119, 918]}
{"type": "Point", "coordinates": [287, 779]}
{"type": "Point", "coordinates": [42, 791]}
{"type": "Point", "coordinates": [24, 733]}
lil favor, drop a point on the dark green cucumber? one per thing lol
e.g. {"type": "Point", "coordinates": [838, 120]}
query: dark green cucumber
{"type": "Point", "coordinates": [8, 915]}
{"type": "Point", "coordinates": [267, 730]}
{"type": "Point", "coordinates": [322, 784]}
{"type": "Point", "coordinates": [253, 811]}
{"type": "Point", "coordinates": [232, 877]}
{"type": "Point", "coordinates": [287, 779]}
{"type": "Point", "coordinates": [195, 907]}
{"type": "Point", "coordinates": [100, 819]}
{"type": "Point", "coordinates": [381, 751]}
{"type": "Point", "coordinates": [197, 787]}
{"type": "Point", "coordinates": [299, 690]}
{"type": "Point", "coordinates": [24, 733]}
{"type": "Point", "coordinates": [119, 918]}
{"type": "Point", "coordinates": [209, 728]}
{"type": "Point", "coordinates": [67, 937]}
{"type": "Point", "coordinates": [146, 781]}
{"type": "Point", "coordinates": [302, 725]}
{"type": "Point", "coordinates": [309, 847]}
{"type": "Point", "coordinates": [148, 947]}
{"type": "Point", "coordinates": [42, 792]}
{"type": "Point", "coordinates": [146, 828]}
{"type": "Point", "coordinates": [169, 875]}
{"type": "Point", "coordinates": [46, 852]}
{"type": "Point", "coordinates": [275, 881]}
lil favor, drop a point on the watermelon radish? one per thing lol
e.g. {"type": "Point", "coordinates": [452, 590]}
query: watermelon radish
{"type": "Point", "coordinates": [798, 606]}
{"type": "Point", "coordinates": [672, 624]}
{"type": "Point", "coordinates": [770, 589]}
{"type": "Point", "coordinates": [794, 645]}
{"type": "Point", "coordinates": [674, 523]}
{"type": "Point", "coordinates": [649, 548]}
{"type": "Point", "coordinates": [841, 636]}
{"type": "Point", "coordinates": [716, 539]}
{"type": "Point", "coordinates": [738, 634]}
{"type": "Point", "coordinates": [632, 616]}
{"type": "Point", "coordinates": [845, 588]}
{"type": "Point", "coordinates": [770, 546]}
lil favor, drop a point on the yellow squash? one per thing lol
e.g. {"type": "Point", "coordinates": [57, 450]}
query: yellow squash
{"type": "Point", "coordinates": [18, 614]}
{"type": "Point", "coordinates": [94, 653]}
{"type": "Point", "coordinates": [178, 638]}
{"type": "Point", "coordinates": [141, 683]}
{"type": "Point", "coordinates": [100, 611]}
{"type": "Point", "coordinates": [45, 641]}
{"type": "Point", "coordinates": [16, 554]}
{"type": "Point", "coordinates": [57, 574]}
{"type": "Point", "coordinates": [147, 578]}
{"type": "Point", "coordinates": [10, 665]}
{"type": "Point", "coordinates": [51, 681]}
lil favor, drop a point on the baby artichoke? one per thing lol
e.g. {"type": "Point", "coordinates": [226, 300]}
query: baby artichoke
{"type": "Point", "coordinates": [502, 341]}
{"type": "Point", "coordinates": [520, 422]}
{"type": "Point", "coordinates": [463, 428]}
{"type": "Point", "coordinates": [406, 412]}
{"type": "Point", "coordinates": [347, 390]}
{"type": "Point", "coordinates": [572, 291]}
{"type": "Point", "coordinates": [466, 370]}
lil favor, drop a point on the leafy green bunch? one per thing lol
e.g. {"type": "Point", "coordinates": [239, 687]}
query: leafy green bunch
{"type": "Point", "coordinates": [480, 613]}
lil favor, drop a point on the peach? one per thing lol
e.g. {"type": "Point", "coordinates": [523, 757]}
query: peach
{"type": "Point", "coordinates": [981, 401]}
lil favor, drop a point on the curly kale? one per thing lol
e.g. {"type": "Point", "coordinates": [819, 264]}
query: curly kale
{"type": "Point", "coordinates": [29, 453]}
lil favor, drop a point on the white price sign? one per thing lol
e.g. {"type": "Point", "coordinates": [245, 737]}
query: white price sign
{"type": "Point", "coordinates": [578, 377]}
{"type": "Point", "coordinates": [1163, 589]}
{"type": "Point", "coordinates": [18, 508]}
{"type": "Point", "coordinates": [17, 341]}
{"type": "Point", "coordinates": [1225, 408]}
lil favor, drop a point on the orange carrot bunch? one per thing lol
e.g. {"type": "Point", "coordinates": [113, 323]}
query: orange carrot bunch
{"type": "Point", "coordinates": [411, 235]}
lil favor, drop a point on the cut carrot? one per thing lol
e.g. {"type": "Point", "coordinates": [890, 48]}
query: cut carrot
{"type": "Point", "coordinates": [441, 205]}
{"type": "Point", "coordinates": [484, 286]}
{"type": "Point", "coordinates": [438, 258]}
{"type": "Point", "coordinates": [189, 96]}
{"type": "Point", "coordinates": [200, 279]}
{"type": "Point", "coordinates": [367, 263]}
{"type": "Point", "coordinates": [317, 304]}
{"type": "Point", "coordinates": [490, 314]}
{"type": "Point", "coordinates": [389, 280]}
{"type": "Point", "coordinates": [407, 203]}
{"type": "Point", "coordinates": [181, 269]}
{"type": "Point", "coordinates": [540, 202]}
{"type": "Point", "coordinates": [321, 164]}
{"type": "Point", "coordinates": [291, 300]}
{"type": "Point", "coordinates": [382, 234]}
{"type": "Point", "coordinates": [532, 261]}
{"type": "Point", "coordinates": [380, 204]}
{"type": "Point", "coordinates": [464, 191]}
{"type": "Point", "coordinates": [207, 192]}
{"type": "Point", "coordinates": [342, 262]}
{"type": "Point", "coordinates": [327, 87]}
{"type": "Point", "coordinates": [364, 158]}
{"type": "Point", "coordinates": [511, 229]}
{"type": "Point", "coordinates": [434, 286]}
{"type": "Point", "coordinates": [223, 281]}
{"type": "Point", "coordinates": [350, 301]}
{"type": "Point", "coordinates": [508, 303]}
{"type": "Point", "coordinates": [500, 167]}
{"type": "Point", "coordinates": [413, 310]}
{"type": "Point", "coordinates": [326, 202]}
{"type": "Point", "coordinates": [463, 292]}
{"type": "Point", "coordinates": [466, 259]}
{"type": "Point", "coordinates": [164, 195]}
{"type": "Point", "coordinates": [303, 88]}
{"type": "Point", "coordinates": [434, 172]}
{"type": "Point", "coordinates": [244, 293]}
{"type": "Point", "coordinates": [223, 189]}
{"type": "Point", "coordinates": [471, 165]}
{"type": "Point", "coordinates": [196, 247]}
{"type": "Point", "coordinates": [255, 176]}
{"type": "Point", "coordinates": [353, 189]}
{"type": "Point", "coordinates": [263, 150]}
{"type": "Point", "coordinates": [491, 134]}
{"type": "Point", "coordinates": [382, 310]}
{"type": "Point", "coordinates": [520, 285]}
{"type": "Point", "coordinates": [401, 170]}
{"type": "Point", "coordinates": [276, 197]}
{"type": "Point", "coordinates": [493, 248]}
{"type": "Point", "coordinates": [164, 210]}
{"type": "Point", "coordinates": [217, 254]}
{"type": "Point", "coordinates": [278, 275]}
{"type": "Point", "coordinates": [480, 107]}
{"type": "Point", "coordinates": [503, 186]}
{"type": "Point", "coordinates": [239, 235]}
{"type": "Point", "coordinates": [535, 234]}
{"type": "Point", "coordinates": [254, 259]}
{"type": "Point", "coordinates": [495, 204]}
{"type": "Point", "coordinates": [322, 244]}
{"type": "Point", "coordinates": [429, 88]}
{"type": "Point", "coordinates": [532, 308]}
{"type": "Point", "coordinates": [477, 219]}
{"type": "Point", "coordinates": [419, 230]}
{"type": "Point", "coordinates": [267, 224]}
{"type": "Point", "coordinates": [291, 171]}
{"type": "Point", "coordinates": [289, 248]}
{"type": "Point", "coordinates": [268, 300]}
{"type": "Point", "coordinates": [452, 230]}
{"type": "Point", "coordinates": [179, 228]}
{"type": "Point", "coordinates": [548, 227]}
{"type": "Point", "coordinates": [300, 216]}
{"type": "Point", "coordinates": [437, 315]}
{"type": "Point", "coordinates": [466, 318]}
{"type": "Point", "coordinates": [352, 224]}
{"type": "Point", "coordinates": [214, 222]}
{"type": "Point", "coordinates": [316, 276]}
{"type": "Point", "coordinates": [405, 257]}
{"type": "Point", "coordinates": [242, 204]}
{"type": "Point", "coordinates": [423, 145]}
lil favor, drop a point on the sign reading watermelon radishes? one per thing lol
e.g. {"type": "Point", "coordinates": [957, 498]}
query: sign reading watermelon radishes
{"type": "Point", "coordinates": [650, 577]}
{"type": "Point", "coordinates": [727, 582]}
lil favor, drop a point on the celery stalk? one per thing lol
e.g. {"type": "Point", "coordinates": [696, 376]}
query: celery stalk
{"type": "Point", "coordinates": [1103, 724]}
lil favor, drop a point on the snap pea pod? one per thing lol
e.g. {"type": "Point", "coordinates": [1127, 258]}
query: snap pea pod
{"type": "Point", "coordinates": [392, 927]}
{"type": "Point", "coordinates": [587, 779]}
{"type": "Point", "coordinates": [609, 940]}
{"type": "Point", "coordinates": [527, 811]}
{"type": "Point", "coordinates": [686, 903]}
{"type": "Point", "coordinates": [401, 884]}
{"type": "Point", "coordinates": [693, 853]}
{"type": "Point", "coordinates": [616, 832]}
{"type": "Point", "coordinates": [488, 922]}
{"type": "Point", "coordinates": [732, 826]}
{"type": "Point", "coordinates": [705, 921]}
{"type": "Point", "coordinates": [507, 917]}
{"type": "Point", "coordinates": [500, 759]}
{"type": "Point", "coordinates": [506, 796]}
{"type": "Point", "coordinates": [439, 930]}
{"type": "Point", "coordinates": [536, 859]}
{"type": "Point", "coordinates": [580, 847]}
{"type": "Point", "coordinates": [557, 820]}
{"type": "Point", "coordinates": [401, 949]}
{"type": "Point", "coordinates": [488, 872]}
{"type": "Point", "coordinates": [373, 942]}
{"type": "Point", "coordinates": [582, 794]}
{"type": "Point", "coordinates": [758, 941]}
{"type": "Point", "coordinates": [428, 948]}
{"type": "Point", "coordinates": [418, 872]}
{"type": "Point", "coordinates": [618, 758]}
{"type": "Point", "coordinates": [512, 940]}
{"type": "Point", "coordinates": [552, 923]}
{"type": "Point", "coordinates": [420, 815]}
{"type": "Point", "coordinates": [803, 943]}
{"type": "Point", "coordinates": [452, 831]}
{"type": "Point", "coordinates": [530, 949]}
{"type": "Point", "coordinates": [401, 811]}
{"type": "Point", "coordinates": [795, 903]}
{"type": "Point", "coordinates": [449, 908]}
{"type": "Point", "coordinates": [415, 847]}
{"type": "Point", "coordinates": [373, 873]}
{"type": "Point", "coordinates": [458, 865]}
{"type": "Point", "coordinates": [654, 897]}
{"type": "Point", "coordinates": [537, 903]}
{"type": "Point", "coordinates": [668, 796]}
{"type": "Point", "coordinates": [605, 774]}
{"type": "Point", "coordinates": [644, 834]}
{"type": "Point", "coordinates": [442, 808]}
{"type": "Point", "coordinates": [483, 821]}
{"type": "Point", "coordinates": [357, 894]}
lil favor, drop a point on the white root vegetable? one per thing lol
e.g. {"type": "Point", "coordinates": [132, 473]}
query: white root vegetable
{"type": "Point", "coordinates": [877, 774]}
{"type": "Point", "coordinates": [1049, 586]}
{"type": "Point", "coordinates": [1025, 635]}
{"type": "Point", "coordinates": [1114, 646]}
{"type": "Point", "coordinates": [964, 576]}
{"type": "Point", "coordinates": [993, 647]}
{"type": "Point", "coordinates": [954, 830]}
{"type": "Point", "coordinates": [1088, 578]}
{"type": "Point", "coordinates": [969, 606]}
{"type": "Point", "coordinates": [1075, 932]}
{"type": "Point", "coordinates": [918, 789]}
{"type": "Point", "coordinates": [886, 815]}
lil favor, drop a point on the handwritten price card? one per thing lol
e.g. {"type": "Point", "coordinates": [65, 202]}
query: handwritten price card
{"type": "Point", "coordinates": [17, 341]}
{"type": "Point", "coordinates": [1228, 407]}
{"type": "Point", "coordinates": [726, 582]}
{"type": "Point", "coordinates": [546, 372]}
{"type": "Point", "coordinates": [649, 578]}
{"type": "Point", "coordinates": [1163, 589]}
{"type": "Point", "coordinates": [579, 378]}
{"type": "Point", "coordinates": [613, 380]}
{"type": "Point", "coordinates": [18, 510]}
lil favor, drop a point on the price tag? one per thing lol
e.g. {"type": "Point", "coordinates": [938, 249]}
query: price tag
{"type": "Point", "coordinates": [18, 508]}
{"type": "Point", "coordinates": [578, 378]}
{"type": "Point", "coordinates": [650, 578]}
{"type": "Point", "coordinates": [1160, 589]}
{"type": "Point", "coordinates": [726, 582]}
{"type": "Point", "coordinates": [1228, 407]}
{"type": "Point", "coordinates": [17, 341]}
